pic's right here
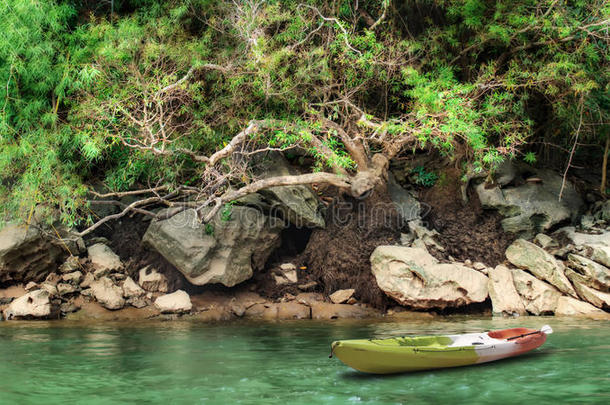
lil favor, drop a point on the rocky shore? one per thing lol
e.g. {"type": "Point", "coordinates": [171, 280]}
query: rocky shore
{"type": "Point", "coordinates": [557, 262]}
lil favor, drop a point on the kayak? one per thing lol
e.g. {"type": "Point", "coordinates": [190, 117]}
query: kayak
{"type": "Point", "coordinates": [403, 354]}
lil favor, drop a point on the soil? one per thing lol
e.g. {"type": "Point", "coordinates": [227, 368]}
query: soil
{"type": "Point", "coordinates": [467, 231]}
{"type": "Point", "coordinates": [337, 257]}
{"type": "Point", "coordinates": [125, 238]}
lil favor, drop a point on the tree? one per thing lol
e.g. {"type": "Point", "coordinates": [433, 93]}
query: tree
{"type": "Point", "coordinates": [175, 101]}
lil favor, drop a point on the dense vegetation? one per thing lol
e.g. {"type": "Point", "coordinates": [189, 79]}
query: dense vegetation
{"type": "Point", "coordinates": [127, 94]}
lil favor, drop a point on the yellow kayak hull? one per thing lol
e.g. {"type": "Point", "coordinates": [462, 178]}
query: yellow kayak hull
{"type": "Point", "coordinates": [404, 354]}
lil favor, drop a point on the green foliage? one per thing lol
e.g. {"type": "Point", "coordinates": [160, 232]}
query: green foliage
{"type": "Point", "coordinates": [476, 79]}
{"type": "Point", "coordinates": [423, 177]}
{"type": "Point", "coordinates": [227, 212]}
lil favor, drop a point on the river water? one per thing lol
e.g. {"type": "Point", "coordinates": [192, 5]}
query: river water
{"type": "Point", "coordinates": [285, 363]}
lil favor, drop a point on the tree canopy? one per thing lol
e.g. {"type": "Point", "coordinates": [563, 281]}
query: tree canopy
{"type": "Point", "coordinates": [180, 96]}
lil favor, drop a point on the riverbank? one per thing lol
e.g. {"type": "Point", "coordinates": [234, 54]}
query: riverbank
{"type": "Point", "coordinates": [520, 251]}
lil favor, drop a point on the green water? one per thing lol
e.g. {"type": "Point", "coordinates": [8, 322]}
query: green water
{"type": "Point", "coordinates": [285, 363]}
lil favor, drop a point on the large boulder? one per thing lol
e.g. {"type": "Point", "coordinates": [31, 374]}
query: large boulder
{"type": "Point", "coordinates": [600, 254]}
{"type": "Point", "coordinates": [412, 277]}
{"type": "Point", "coordinates": [537, 261]}
{"type": "Point", "coordinates": [35, 304]}
{"type": "Point", "coordinates": [26, 255]}
{"type": "Point", "coordinates": [226, 251]}
{"type": "Point", "coordinates": [594, 274]}
{"type": "Point", "coordinates": [174, 303]}
{"type": "Point", "coordinates": [572, 307]}
{"type": "Point", "coordinates": [539, 297]}
{"type": "Point", "coordinates": [298, 204]}
{"type": "Point", "coordinates": [504, 296]}
{"type": "Point", "coordinates": [580, 238]}
{"type": "Point", "coordinates": [108, 294]}
{"type": "Point", "coordinates": [597, 298]}
{"type": "Point", "coordinates": [533, 206]}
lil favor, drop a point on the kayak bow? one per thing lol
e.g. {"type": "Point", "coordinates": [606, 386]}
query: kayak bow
{"type": "Point", "coordinates": [402, 354]}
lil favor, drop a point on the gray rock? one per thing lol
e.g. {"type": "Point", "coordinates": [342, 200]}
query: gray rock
{"type": "Point", "coordinates": [64, 289]}
{"type": "Point", "coordinates": [425, 235]}
{"type": "Point", "coordinates": [594, 274]}
{"type": "Point", "coordinates": [103, 259]}
{"type": "Point", "coordinates": [504, 296]}
{"type": "Point", "coordinates": [177, 302]}
{"type": "Point", "coordinates": [569, 306]}
{"type": "Point", "coordinates": [131, 289]}
{"type": "Point", "coordinates": [538, 297]}
{"type": "Point", "coordinates": [414, 278]}
{"type": "Point", "coordinates": [87, 281]}
{"type": "Point", "coordinates": [74, 278]}
{"type": "Point", "coordinates": [580, 238]}
{"type": "Point", "coordinates": [31, 286]}
{"type": "Point", "coordinates": [228, 254]}
{"type": "Point", "coordinates": [107, 294]}
{"type": "Point", "coordinates": [600, 254]}
{"type": "Point", "coordinates": [35, 304]}
{"type": "Point", "coordinates": [341, 296]}
{"type": "Point", "coordinates": [528, 256]}
{"type": "Point", "coordinates": [405, 202]}
{"type": "Point", "coordinates": [151, 280]}
{"type": "Point", "coordinates": [50, 288]}
{"type": "Point", "coordinates": [298, 204]}
{"type": "Point", "coordinates": [545, 241]}
{"type": "Point", "coordinates": [597, 298]}
{"type": "Point", "coordinates": [71, 264]}
{"type": "Point", "coordinates": [532, 207]}
{"type": "Point", "coordinates": [601, 211]}
{"type": "Point", "coordinates": [26, 255]}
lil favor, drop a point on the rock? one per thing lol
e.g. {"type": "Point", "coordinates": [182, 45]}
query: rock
{"type": "Point", "coordinates": [150, 280]}
{"type": "Point", "coordinates": [573, 307]}
{"type": "Point", "coordinates": [533, 206]}
{"type": "Point", "coordinates": [175, 303]}
{"type": "Point", "coordinates": [324, 310]}
{"type": "Point", "coordinates": [35, 304]}
{"type": "Point", "coordinates": [528, 256]}
{"type": "Point", "coordinates": [545, 241]}
{"type": "Point", "coordinates": [579, 238]}
{"type": "Point", "coordinates": [424, 234]}
{"type": "Point", "coordinates": [228, 255]}
{"type": "Point", "coordinates": [71, 264]}
{"type": "Point", "coordinates": [595, 275]}
{"type": "Point", "coordinates": [597, 298]}
{"type": "Point", "coordinates": [601, 211]}
{"type": "Point", "coordinates": [341, 296]}
{"type": "Point", "coordinates": [107, 294]}
{"type": "Point", "coordinates": [31, 286]}
{"type": "Point", "coordinates": [600, 254]}
{"type": "Point", "coordinates": [68, 307]}
{"type": "Point", "coordinates": [131, 289]}
{"type": "Point", "coordinates": [538, 297]}
{"type": "Point", "coordinates": [279, 311]}
{"type": "Point", "coordinates": [298, 204]}
{"type": "Point", "coordinates": [87, 281]}
{"type": "Point", "coordinates": [138, 302]}
{"type": "Point", "coordinates": [50, 288]}
{"type": "Point", "coordinates": [53, 279]}
{"type": "Point", "coordinates": [414, 278]}
{"type": "Point", "coordinates": [504, 296]}
{"type": "Point", "coordinates": [64, 289]}
{"type": "Point", "coordinates": [406, 239]}
{"type": "Point", "coordinates": [307, 286]}
{"type": "Point", "coordinates": [103, 259]}
{"type": "Point", "coordinates": [479, 266]}
{"type": "Point", "coordinates": [309, 298]}
{"type": "Point", "coordinates": [26, 255]}
{"type": "Point", "coordinates": [73, 278]}
{"type": "Point", "coordinates": [405, 202]}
